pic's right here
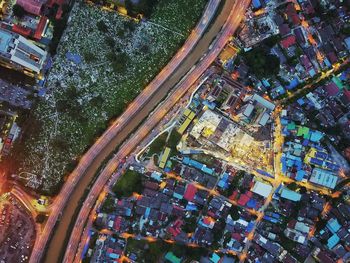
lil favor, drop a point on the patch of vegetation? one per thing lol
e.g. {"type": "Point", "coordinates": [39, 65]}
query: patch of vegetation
{"type": "Point", "coordinates": [144, 7]}
{"type": "Point", "coordinates": [190, 225]}
{"type": "Point", "coordinates": [174, 139]}
{"type": "Point", "coordinates": [234, 213]}
{"type": "Point", "coordinates": [40, 218]}
{"type": "Point", "coordinates": [261, 62]}
{"type": "Point", "coordinates": [342, 184]}
{"type": "Point", "coordinates": [18, 11]}
{"type": "Point", "coordinates": [108, 205]}
{"type": "Point", "coordinates": [84, 98]}
{"type": "Point", "coordinates": [59, 25]}
{"type": "Point", "coordinates": [129, 183]}
{"type": "Point", "coordinates": [234, 184]}
{"type": "Point", "coordinates": [292, 186]}
{"type": "Point", "coordinates": [154, 251]}
{"type": "Point", "coordinates": [204, 158]}
{"type": "Point", "coordinates": [180, 15]}
{"type": "Point", "coordinates": [158, 144]}
{"type": "Point", "coordinates": [288, 244]}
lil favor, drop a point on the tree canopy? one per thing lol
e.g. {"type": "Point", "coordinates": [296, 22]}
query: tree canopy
{"type": "Point", "coordinates": [261, 62]}
{"type": "Point", "coordinates": [144, 7]}
{"type": "Point", "coordinates": [18, 11]}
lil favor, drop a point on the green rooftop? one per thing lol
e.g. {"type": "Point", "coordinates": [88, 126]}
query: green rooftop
{"type": "Point", "coordinates": [338, 82]}
{"type": "Point", "coordinates": [291, 126]}
{"type": "Point", "coordinates": [303, 131]}
{"type": "Point", "coordinates": [172, 258]}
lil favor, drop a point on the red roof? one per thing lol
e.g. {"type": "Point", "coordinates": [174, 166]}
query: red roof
{"type": "Point", "coordinates": [32, 6]}
{"type": "Point", "coordinates": [211, 213]}
{"type": "Point", "coordinates": [176, 228]}
{"type": "Point", "coordinates": [295, 19]}
{"type": "Point", "coordinates": [234, 195]}
{"type": "Point", "coordinates": [332, 89]}
{"type": "Point", "coordinates": [40, 28]}
{"type": "Point", "coordinates": [207, 220]}
{"type": "Point", "coordinates": [117, 223]}
{"type": "Point", "coordinates": [21, 30]}
{"type": "Point", "coordinates": [59, 14]}
{"type": "Point", "coordinates": [332, 57]}
{"type": "Point", "coordinates": [174, 232]}
{"type": "Point", "coordinates": [288, 41]}
{"type": "Point", "coordinates": [243, 199]}
{"type": "Point", "coordinates": [249, 194]}
{"type": "Point", "coordinates": [306, 62]}
{"type": "Point", "coordinates": [190, 192]}
{"type": "Point", "coordinates": [50, 3]}
{"type": "Point", "coordinates": [347, 94]}
{"type": "Point", "coordinates": [237, 236]}
{"type": "Point", "coordinates": [178, 223]}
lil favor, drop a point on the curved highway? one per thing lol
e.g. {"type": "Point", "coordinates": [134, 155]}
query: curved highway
{"type": "Point", "coordinates": [228, 30]}
{"type": "Point", "coordinates": [81, 177]}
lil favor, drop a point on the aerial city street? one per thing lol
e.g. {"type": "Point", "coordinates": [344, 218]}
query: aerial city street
{"type": "Point", "coordinates": [176, 131]}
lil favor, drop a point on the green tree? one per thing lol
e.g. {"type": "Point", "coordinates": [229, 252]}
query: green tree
{"type": "Point", "coordinates": [89, 57]}
{"type": "Point", "coordinates": [97, 101]}
{"type": "Point", "coordinates": [262, 63]}
{"type": "Point", "coordinates": [234, 213]}
{"type": "Point", "coordinates": [59, 143]}
{"type": "Point", "coordinates": [118, 61]}
{"type": "Point", "coordinates": [129, 7]}
{"type": "Point", "coordinates": [40, 218]}
{"type": "Point", "coordinates": [110, 42]}
{"type": "Point", "coordinates": [101, 26]}
{"type": "Point", "coordinates": [18, 11]}
{"type": "Point", "coordinates": [58, 29]}
{"type": "Point", "coordinates": [174, 139]}
{"type": "Point", "coordinates": [293, 186]}
{"type": "Point", "coordinates": [108, 205]}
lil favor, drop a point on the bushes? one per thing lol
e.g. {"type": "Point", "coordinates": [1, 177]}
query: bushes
{"type": "Point", "coordinates": [102, 26]}
{"type": "Point", "coordinates": [18, 11]}
{"type": "Point", "coordinates": [108, 205]}
{"type": "Point", "coordinates": [144, 7]}
{"type": "Point", "coordinates": [174, 139]}
{"type": "Point", "coordinates": [129, 183]}
{"type": "Point", "coordinates": [262, 63]}
{"type": "Point", "coordinates": [158, 144]}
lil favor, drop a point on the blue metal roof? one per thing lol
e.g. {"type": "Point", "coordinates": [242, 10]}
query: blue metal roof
{"type": "Point", "coordinates": [316, 136]}
{"type": "Point", "coordinates": [300, 102]}
{"type": "Point", "coordinates": [332, 241]}
{"type": "Point", "coordinates": [73, 57]}
{"type": "Point", "coordinates": [5, 38]}
{"type": "Point", "coordinates": [251, 203]}
{"type": "Point", "coordinates": [300, 175]}
{"type": "Point", "coordinates": [256, 3]}
{"type": "Point", "coordinates": [333, 225]}
{"type": "Point", "coordinates": [290, 195]}
{"type": "Point", "coordinates": [293, 84]}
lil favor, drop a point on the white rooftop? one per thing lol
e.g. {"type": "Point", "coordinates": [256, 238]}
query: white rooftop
{"type": "Point", "coordinates": [262, 189]}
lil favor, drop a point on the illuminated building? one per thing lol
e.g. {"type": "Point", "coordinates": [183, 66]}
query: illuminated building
{"type": "Point", "coordinates": [18, 53]}
{"type": "Point", "coordinates": [256, 111]}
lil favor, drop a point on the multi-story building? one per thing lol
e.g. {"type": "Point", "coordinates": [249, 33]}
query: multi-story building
{"type": "Point", "coordinates": [256, 111]}
{"type": "Point", "coordinates": [18, 53]}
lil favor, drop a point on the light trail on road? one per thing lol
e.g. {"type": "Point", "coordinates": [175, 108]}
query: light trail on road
{"type": "Point", "coordinates": [231, 25]}
{"type": "Point", "coordinates": [102, 143]}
